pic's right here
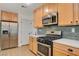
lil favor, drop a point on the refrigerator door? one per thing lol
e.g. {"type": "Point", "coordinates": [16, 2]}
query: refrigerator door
{"type": "Point", "coordinates": [4, 35]}
{"type": "Point", "coordinates": [13, 35]}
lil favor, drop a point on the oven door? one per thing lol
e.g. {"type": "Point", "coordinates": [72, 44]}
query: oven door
{"type": "Point", "coordinates": [44, 50]}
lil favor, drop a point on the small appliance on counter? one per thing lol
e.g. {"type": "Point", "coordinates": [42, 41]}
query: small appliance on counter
{"type": "Point", "coordinates": [45, 44]}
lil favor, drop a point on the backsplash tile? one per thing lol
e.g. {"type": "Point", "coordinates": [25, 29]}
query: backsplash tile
{"type": "Point", "coordinates": [67, 31]}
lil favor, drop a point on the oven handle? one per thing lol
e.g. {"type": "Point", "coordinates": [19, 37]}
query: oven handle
{"type": "Point", "coordinates": [45, 45]}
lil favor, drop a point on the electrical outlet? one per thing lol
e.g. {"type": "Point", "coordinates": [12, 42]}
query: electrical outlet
{"type": "Point", "coordinates": [73, 30]}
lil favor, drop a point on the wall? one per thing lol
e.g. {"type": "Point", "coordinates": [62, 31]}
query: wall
{"type": "Point", "coordinates": [68, 32]}
{"type": "Point", "coordinates": [25, 29]}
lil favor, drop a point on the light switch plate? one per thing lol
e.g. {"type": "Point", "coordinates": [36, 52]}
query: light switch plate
{"type": "Point", "coordinates": [73, 30]}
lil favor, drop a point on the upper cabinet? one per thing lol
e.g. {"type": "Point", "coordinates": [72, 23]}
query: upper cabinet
{"type": "Point", "coordinates": [42, 11]}
{"type": "Point", "coordinates": [68, 14]}
{"type": "Point", "coordinates": [49, 8]}
{"type": "Point", "coordinates": [5, 16]}
{"type": "Point", "coordinates": [38, 18]}
{"type": "Point", "coordinates": [65, 14]}
{"type": "Point", "coordinates": [76, 14]}
{"type": "Point", "coordinates": [14, 17]}
{"type": "Point", "coordinates": [8, 16]}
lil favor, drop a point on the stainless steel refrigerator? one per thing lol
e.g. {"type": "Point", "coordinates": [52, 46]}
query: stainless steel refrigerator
{"type": "Point", "coordinates": [9, 35]}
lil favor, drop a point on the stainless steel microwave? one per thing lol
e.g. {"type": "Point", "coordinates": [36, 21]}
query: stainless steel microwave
{"type": "Point", "coordinates": [50, 19]}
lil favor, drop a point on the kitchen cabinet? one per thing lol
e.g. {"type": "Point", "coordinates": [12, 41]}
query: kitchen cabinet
{"type": "Point", "coordinates": [33, 44]}
{"type": "Point", "coordinates": [64, 50]}
{"type": "Point", "coordinates": [30, 43]}
{"type": "Point", "coordinates": [42, 11]}
{"type": "Point", "coordinates": [45, 9]}
{"type": "Point", "coordinates": [14, 17]}
{"type": "Point", "coordinates": [38, 18]}
{"type": "Point", "coordinates": [58, 52]}
{"type": "Point", "coordinates": [49, 8]}
{"type": "Point", "coordinates": [65, 14]}
{"type": "Point", "coordinates": [8, 16]}
{"type": "Point", "coordinates": [76, 14]}
{"type": "Point", "coordinates": [0, 15]}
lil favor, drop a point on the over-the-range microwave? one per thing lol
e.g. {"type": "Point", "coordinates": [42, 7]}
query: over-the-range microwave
{"type": "Point", "coordinates": [50, 19]}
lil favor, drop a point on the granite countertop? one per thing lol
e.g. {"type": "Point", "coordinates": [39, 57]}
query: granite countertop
{"type": "Point", "coordinates": [70, 42]}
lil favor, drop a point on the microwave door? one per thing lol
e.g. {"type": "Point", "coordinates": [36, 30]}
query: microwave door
{"type": "Point", "coordinates": [46, 21]}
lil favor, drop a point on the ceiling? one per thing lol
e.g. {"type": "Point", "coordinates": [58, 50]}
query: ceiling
{"type": "Point", "coordinates": [16, 7]}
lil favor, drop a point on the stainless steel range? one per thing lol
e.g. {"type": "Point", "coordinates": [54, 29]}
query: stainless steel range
{"type": "Point", "coordinates": [45, 44]}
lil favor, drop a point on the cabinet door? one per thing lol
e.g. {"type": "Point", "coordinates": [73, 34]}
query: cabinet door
{"type": "Point", "coordinates": [0, 15]}
{"type": "Point", "coordinates": [59, 52]}
{"type": "Point", "coordinates": [49, 8]}
{"type": "Point", "coordinates": [30, 43]}
{"type": "Point", "coordinates": [52, 7]}
{"type": "Point", "coordinates": [65, 13]}
{"type": "Point", "coordinates": [45, 9]}
{"type": "Point", "coordinates": [35, 45]}
{"type": "Point", "coordinates": [38, 18]}
{"type": "Point", "coordinates": [76, 14]}
{"type": "Point", "coordinates": [14, 17]}
{"type": "Point", "coordinates": [6, 16]}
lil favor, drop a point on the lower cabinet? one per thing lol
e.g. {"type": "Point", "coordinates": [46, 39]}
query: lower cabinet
{"type": "Point", "coordinates": [64, 50]}
{"type": "Point", "coordinates": [33, 44]}
{"type": "Point", "coordinates": [57, 52]}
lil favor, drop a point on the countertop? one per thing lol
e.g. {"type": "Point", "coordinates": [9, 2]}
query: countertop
{"type": "Point", "coordinates": [70, 42]}
{"type": "Point", "coordinates": [37, 35]}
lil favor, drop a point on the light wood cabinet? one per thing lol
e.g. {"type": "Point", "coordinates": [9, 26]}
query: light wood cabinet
{"type": "Point", "coordinates": [38, 18]}
{"type": "Point", "coordinates": [76, 13]}
{"type": "Point", "coordinates": [14, 17]}
{"type": "Point", "coordinates": [64, 50]}
{"type": "Point", "coordinates": [51, 7]}
{"type": "Point", "coordinates": [0, 15]}
{"type": "Point", "coordinates": [8, 16]}
{"type": "Point", "coordinates": [30, 43]}
{"type": "Point", "coordinates": [65, 14]}
{"type": "Point", "coordinates": [68, 14]}
{"type": "Point", "coordinates": [40, 12]}
{"type": "Point", "coordinates": [33, 44]}
{"type": "Point", "coordinates": [45, 9]}
{"type": "Point", "coordinates": [58, 52]}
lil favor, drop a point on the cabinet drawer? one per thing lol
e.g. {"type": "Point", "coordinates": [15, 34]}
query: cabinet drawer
{"type": "Point", "coordinates": [58, 52]}
{"type": "Point", "coordinates": [67, 48]}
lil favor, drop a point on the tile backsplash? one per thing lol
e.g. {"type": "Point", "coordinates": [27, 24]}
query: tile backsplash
{"type": "Point", "coordinates": [70, 32]}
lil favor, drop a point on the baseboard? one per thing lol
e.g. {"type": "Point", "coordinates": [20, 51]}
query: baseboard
{"type": "Point", "coordinates": [23, 45]}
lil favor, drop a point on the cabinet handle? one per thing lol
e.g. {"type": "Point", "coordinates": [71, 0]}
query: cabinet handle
{"type": "Point", "coordinates": [71, 21]}
{"type": "Point", "coordinates": [76, 21]}
{"type": "Point", "coordinates": [70, 50]}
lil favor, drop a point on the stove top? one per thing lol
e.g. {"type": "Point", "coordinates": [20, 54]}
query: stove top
{"type": "Point", "coordinates": [48, 39]}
